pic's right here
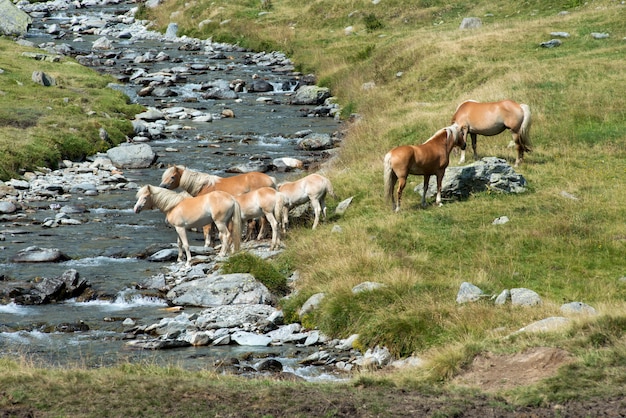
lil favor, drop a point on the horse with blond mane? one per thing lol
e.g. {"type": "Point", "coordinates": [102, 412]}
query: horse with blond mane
{"type": "Point", "coordinates": [185, 212]}
{"type": "Point", "coordinates": [430, 158]}
{"type": "Point", "coordinates": [313, 188]}
{"type": "Point", "coordinates": [198, 183]}
{"type": "Point", "coordinates": [261, 202]}
{"type": "Point", "coordinates": [492, 118]}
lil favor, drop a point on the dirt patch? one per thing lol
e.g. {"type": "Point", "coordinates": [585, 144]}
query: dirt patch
{"type": "Point", "coordinates": [492, 372]}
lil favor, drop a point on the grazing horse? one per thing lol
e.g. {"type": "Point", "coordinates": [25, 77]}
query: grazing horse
{"type": "Point", "coordinates": [431, 157]}
{"type": "Point", "coordinates": [184, 212]}
{"type": "Point", "coordinates": [490, 119]}
{"type": "Point", "coordinates": [197, 183]}
{"type": "Point", "coordinates": [264, 201]}
{"type": "Point", "coordinates": [313, 188]}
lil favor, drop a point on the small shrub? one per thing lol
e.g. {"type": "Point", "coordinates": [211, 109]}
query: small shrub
{"type": "Point", "coordinates": [372, 23]}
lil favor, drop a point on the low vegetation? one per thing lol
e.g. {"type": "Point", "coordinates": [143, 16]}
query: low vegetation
{"type": "Point", "coordinates": [422, 66]}
{"type": "Point", "coordinates": [40, 126]}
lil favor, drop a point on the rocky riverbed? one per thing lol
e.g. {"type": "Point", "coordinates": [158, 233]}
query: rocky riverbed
{"type": "Point", "coordinates": [86, 280]}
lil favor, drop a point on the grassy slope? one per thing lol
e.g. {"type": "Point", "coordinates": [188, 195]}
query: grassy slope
{"type": "Point", "coordinates": [39, 126]}
{"type": "Point", "coordinates": [566, 250]}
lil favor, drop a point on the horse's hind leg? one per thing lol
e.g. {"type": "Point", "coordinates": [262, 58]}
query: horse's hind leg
{"type": "Point", "coordinates": [401, 185]}
{"type": "Point", "coordinates": [519, 147]}
{"type": "Point", "coordinates": [474, 137]}
{"type": "Point", "coordinates": [317, 208]}
{"type": "Point", "coordinates": [224, 234]}
{"type": "Point", "coordinates": [275, 230]}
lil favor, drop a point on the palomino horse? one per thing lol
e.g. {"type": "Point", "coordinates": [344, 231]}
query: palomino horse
{"type": "Point", "coordinates": [197, 183]}
{"type": "Point", "coordinates": [431, 157]}
{"type": "Point", "coordinates": [313, 188]}
{"type": "Point", "coordinates": [264, 201]}
{"type": "Point", "coordinates": [184, 212]}
{"type": "Point", "coordinates": [490, 119]}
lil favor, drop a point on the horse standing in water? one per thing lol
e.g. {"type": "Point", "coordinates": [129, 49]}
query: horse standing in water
{"type": "Point", "coordinates": [430, 158]}
{"type": "Point", "coordinates": [185, 212]}
{"type": "Point", "coordinates": [313, 188]}
{"type": "Point", "coordinates": [197, 183]}
{"type": "Point", "coordinates": [492, 118]}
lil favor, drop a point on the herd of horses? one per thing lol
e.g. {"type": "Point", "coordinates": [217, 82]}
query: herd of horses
{"type": "Point", "coordinates": [229, 202]}
{"type": "Point", "coordinates": [433, 156]}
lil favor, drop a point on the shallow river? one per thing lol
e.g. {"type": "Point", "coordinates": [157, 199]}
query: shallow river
{"type": "Point", "coordinates": [104, 247]}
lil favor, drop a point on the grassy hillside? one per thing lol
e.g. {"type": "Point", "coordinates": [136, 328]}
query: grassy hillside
{"type": "Point", "coordinates": [423, 66]}
{"type": "Point", "coordinates": [40, 126]}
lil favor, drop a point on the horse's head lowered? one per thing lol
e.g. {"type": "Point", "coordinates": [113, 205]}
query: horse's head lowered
{"type": "Point", "coordinates": [457, 133]}
{"type": "Point", "coordinates": [171, 177]}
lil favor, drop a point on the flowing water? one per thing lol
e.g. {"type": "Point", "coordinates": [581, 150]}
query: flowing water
{"type": "Point", "coordinates": [103, 248]}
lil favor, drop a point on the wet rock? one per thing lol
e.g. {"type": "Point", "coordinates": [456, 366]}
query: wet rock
{"type": "Point", "coordinates": [39, 255]}
{"type": "Point", "coordinates": [269, 365]}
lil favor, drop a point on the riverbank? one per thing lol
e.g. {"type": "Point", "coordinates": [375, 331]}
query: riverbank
{"type": "Point", "coordinates": [565, 238]}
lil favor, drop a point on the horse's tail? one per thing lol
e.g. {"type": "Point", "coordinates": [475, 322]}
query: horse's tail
{"type": "Point", "coordinates": [236, 232]}
{"type": "Point", "coordinates": [389, 177]}
{"type": "Point", "coordinates": [278, 208]}
{"type": "Point", "coordinates": [524, 131]}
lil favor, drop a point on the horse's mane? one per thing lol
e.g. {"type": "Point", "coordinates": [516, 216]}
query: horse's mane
{"type": "Point", "coordinates": [163, 199]}
{"type": "Point", "coordinates": [193, 181]}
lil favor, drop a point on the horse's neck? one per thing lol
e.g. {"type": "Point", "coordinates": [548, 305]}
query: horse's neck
{"type": "Point", "coordinates": [193, 181]}
{"type": "Point", "coordinates": [166, 200]}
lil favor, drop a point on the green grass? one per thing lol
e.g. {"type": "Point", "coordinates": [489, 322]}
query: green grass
{"type": "Point", "coordinates": [565, 249]}
{"type": "Point", "coordinates": [40, 126]}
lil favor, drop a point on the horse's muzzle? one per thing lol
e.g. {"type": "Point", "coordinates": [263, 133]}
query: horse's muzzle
{"type": "Point", "coordinates": [164, 185]}
{"type": "Point", "coordinates": [463, 146]}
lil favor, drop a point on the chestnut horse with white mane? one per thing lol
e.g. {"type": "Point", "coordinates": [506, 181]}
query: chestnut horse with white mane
{"type": "Point", "coordinates": [185, 212]}
{"type": "Point", "coordinates": [430, 158]}
{"type": "Point", "coordinates": [198, 183]}
{"type": "Point", "coordinates": [313, 188]}
{"type": "Point", "coordinates": [492, 118]}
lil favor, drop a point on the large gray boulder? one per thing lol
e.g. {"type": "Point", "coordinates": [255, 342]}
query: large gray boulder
{"type": "Point", "coordinates": [310, 95]}
{"type": "Point", "coordinates": [490, 173]}
{"type": "Point", "coordinates": [13, 21]}
{"type": "Point", "coordinates": [221, 289]}
{"type": "Point", "coordinates": [132, 156]}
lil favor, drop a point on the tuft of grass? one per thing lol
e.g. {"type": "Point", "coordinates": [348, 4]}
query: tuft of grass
{"type": "Point", "coordinates": [264, 271]}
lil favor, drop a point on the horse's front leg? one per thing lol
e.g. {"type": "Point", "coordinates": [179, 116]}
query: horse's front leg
{"type": "Point", "coordinates": [426, 181]}
{"type": "Point", "coordinates": [401, 185]}
{"type": "Point", "coordinates": [439, 181]}
{"type": "Point", "coordinates": [473, 137]}
{"type": "Point", "coordinates": [183, 245]}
